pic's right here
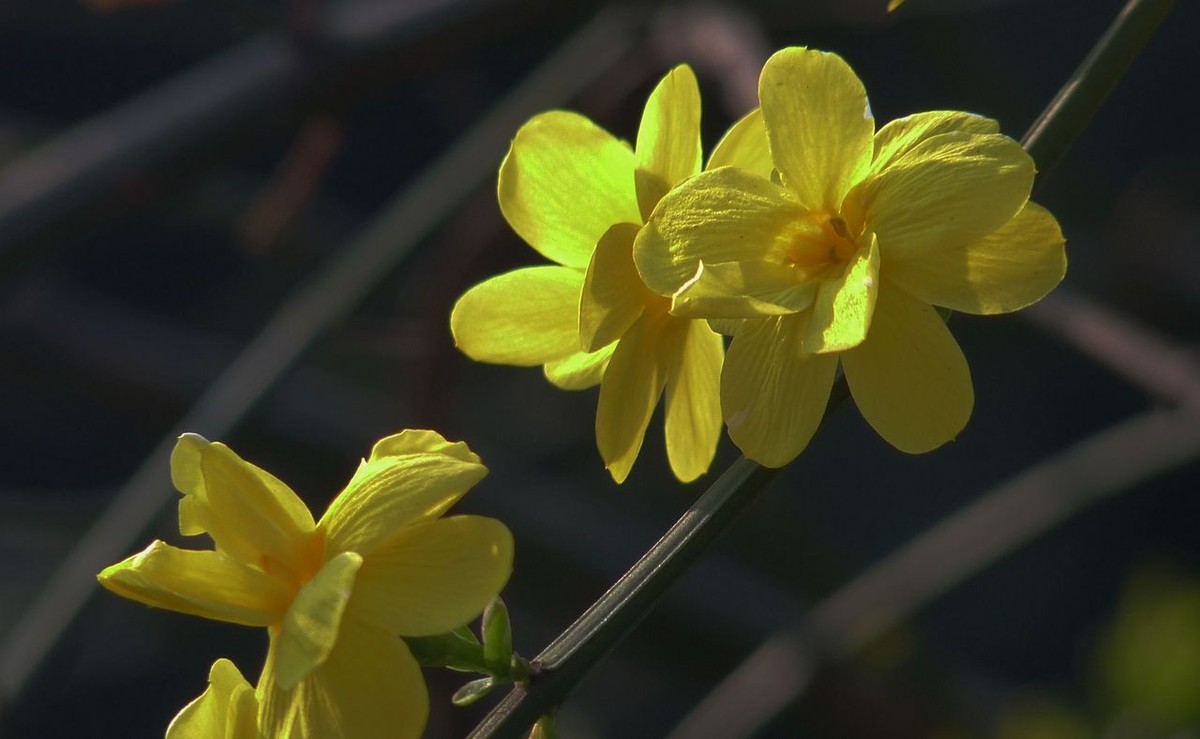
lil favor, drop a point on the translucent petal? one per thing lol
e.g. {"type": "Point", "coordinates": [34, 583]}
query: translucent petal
{"type": "Point", "coordinates": [743, 290]}
{"type": "Point", "coordinates": [227, 709]}
{"type": "Point", "coordinates": [564, 182]}
{"type": "Point", "coordinates": [526, 317]}
{"type": "Point", "coordinates": [898, 137]}
{"type": "Point", "coordinates": [668, 140]}
{"type": "Point", "coordinates": [248, 512]}
{"type": "Point", "coordinates": [726, 215]}
{"type": "Point", "coordinates": [727, 326]}
{"type": "Point", "coordinates": [613, 294]}
{"type": "Point", "coordinates": [1010, 268]}
{"type": "Point", "coordinates": [421, 441]}
{"type": "Point", "coordinates": [949, 189]}
{"type": "Point", "coordinates": [389, 492]}
{"type": "Point", "coordinates": [580, 370]}
{"type": "Point", "coordinates": [693, 399]}
{"type": "Point", "coordinates": [630, 390]}
{"type": "Point", "coordinates": [818, 123]}
{"type": "Point", "coordinates": [842, 311]}
{"type": "Point", "coordinates": [909, 378]}
{"type": "Point", "coordinates": [369, 687]}
{"type": "Point", "coordinates": [744, 145]}
{"type": "Point", "coordinates": [435, 577]}
{"type": "Point", "coordinates": [312, 622]}
{"type": "Point", "coordinates": [200, 583]}
{"type": "Point", "coordinates": [773, 394]}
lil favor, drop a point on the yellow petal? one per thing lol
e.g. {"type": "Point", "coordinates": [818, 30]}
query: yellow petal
{"type": "Point", "coordinates": [564, 182]}
{"type": "Point", "coordinates": [433, 578]}
{"type": "Point", "coordinates": [1010, 268]}
{"type": "Point", "coordinates": [725, 215]}
{"type": "Point", "coordinates": [693, 405]}
{"type": "Point", "coordinates": [369, 687]}
{"type": "Point", "coordinates": [727, 326]}
{"type": "Point", "coordinates": [909, 378]}
{"type": "Point", "coordinates": [525, 317]}
{"type": "Point", "coordinates": [742, 290]}
{"type": "Point", "coordinates": [613, 293]}
{"type": "Point", "coordinates": [421, 441]}
{"type": "Point", "coordinates": [898, 137]}
{"type": "Point", "coordinates": [773, 394]}
{"type": "Point", "coordinates": [580, 370]}
{"type": "Point", "coordinates": [843, 308]}
{"type": "Point", "coordinates": [200, 583]}
{"type": "Point", "coordinates": [312, 622]}
{"type": "Point", "coordinates": [744, 145]}
{"type": "Point", "coordinates": [630, 390]}
{"type": "Point", "coordinates": [397, 489]}
{"type": "Point", "coordinates": [248, 512]}
{"type": "Point", "coordinates": [668, 140]}
{"type": "Point", "coordinates": [948, 189]}
{"type": "Point", "coordinates": [227, 709]}
{"type": "Point", "coordinates": [819, 124]}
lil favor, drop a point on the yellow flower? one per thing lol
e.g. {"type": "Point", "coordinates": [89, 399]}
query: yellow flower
{"type": "Point", "coordinates": [333, 594]}
{"type": "Point", "coordinates": [228, 709]}
{"type": "Point", "coordinates": [578, 196]}
{"type": "Point", "coordinates": [834, 242]}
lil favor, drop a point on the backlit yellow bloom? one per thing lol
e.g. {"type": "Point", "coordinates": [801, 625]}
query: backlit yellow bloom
{"type": "Point", "coordinates": [833, 242]}
{"type": "Point", "coordinates": [228, 709]}
{"type": "Point", "coordinates": [332, 594]}
{"type": "Point", "coordinates": [578, 196]}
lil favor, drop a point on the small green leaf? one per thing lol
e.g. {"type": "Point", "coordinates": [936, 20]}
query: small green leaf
{"type": "Point", "coordinates": [457, 650]}
{"type": "Point", "coordinates": [472, 691]}
{"type": "Point", "coordinates": [497, 638]}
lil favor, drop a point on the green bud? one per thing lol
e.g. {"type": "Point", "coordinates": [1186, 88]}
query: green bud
{"type": "Point", "coordinates": [472, 691]}
{"type": "Point", "coordinates": [497, 637]}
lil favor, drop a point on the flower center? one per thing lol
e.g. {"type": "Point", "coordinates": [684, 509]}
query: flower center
{"type": "Point", "coordinates": [818, 243]}
{"type": "Point", "coordinates": [307, 563]}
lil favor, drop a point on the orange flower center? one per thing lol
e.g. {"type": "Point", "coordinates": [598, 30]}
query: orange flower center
{"type": "Point", "coordinates": [309, 557]}
{"type": "Point", "coordinates": [819, 243]}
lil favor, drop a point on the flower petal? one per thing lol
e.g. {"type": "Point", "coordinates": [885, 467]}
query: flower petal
{"type": "Point", "coordinates": [909, 378]}
{"type": "Point", "coordinates": [410, 479]}
{"type": "Point", "coordinates": [727, 326]}
{"type": "Point", "coordinates": [898, 137]}
{"type": "Point", "coordinates": [947, 190]}
{"type": "Point", "coordinates": [1010, 268]}
{"type": "Point", "coordinates": [227, 709]}
{"type": "Point", "coordinates": [525, 317]}
{"type": "Point", "coordinates": [200, 583]}
{"type": "Point", "coordinates": [773, 394]}
{"type": "Point", "coordinates": [368, 687]}
{"type": "Point", "coordinates": [249, 513]}
{"type": "Point", "coordinates": [744, 145]}
{"type": "Point", "coordinates": [668, 140]}
{"type": "Point", "coordinates": [693, 405]}
{"type": "Point", "coordinates": [725, 215]}
{"type": "Point", "coordinates": [312, 622]}
{"type": "Point", "coordinates": [422, 441]}
{"type": "Point", "coordinates": [743, 290]}
{"type": "Point", "coordinates": [843, 308]}
{"type": "Point", "coordinates": [613, 294]}
{"type": "Point", "coordinates": [433, 578]}
{"type": "Point", "coordinates": [564, 182]}
{"type": "Point", "coordinates": [580, 370]}
{"type": "Point", "coordinates": [630, 390]}
{"type": "Point", "coordinates": [818, 123]}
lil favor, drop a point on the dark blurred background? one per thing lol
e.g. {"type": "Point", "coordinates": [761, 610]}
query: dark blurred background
{"type": "Point", "coordinates": [172, 172]}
